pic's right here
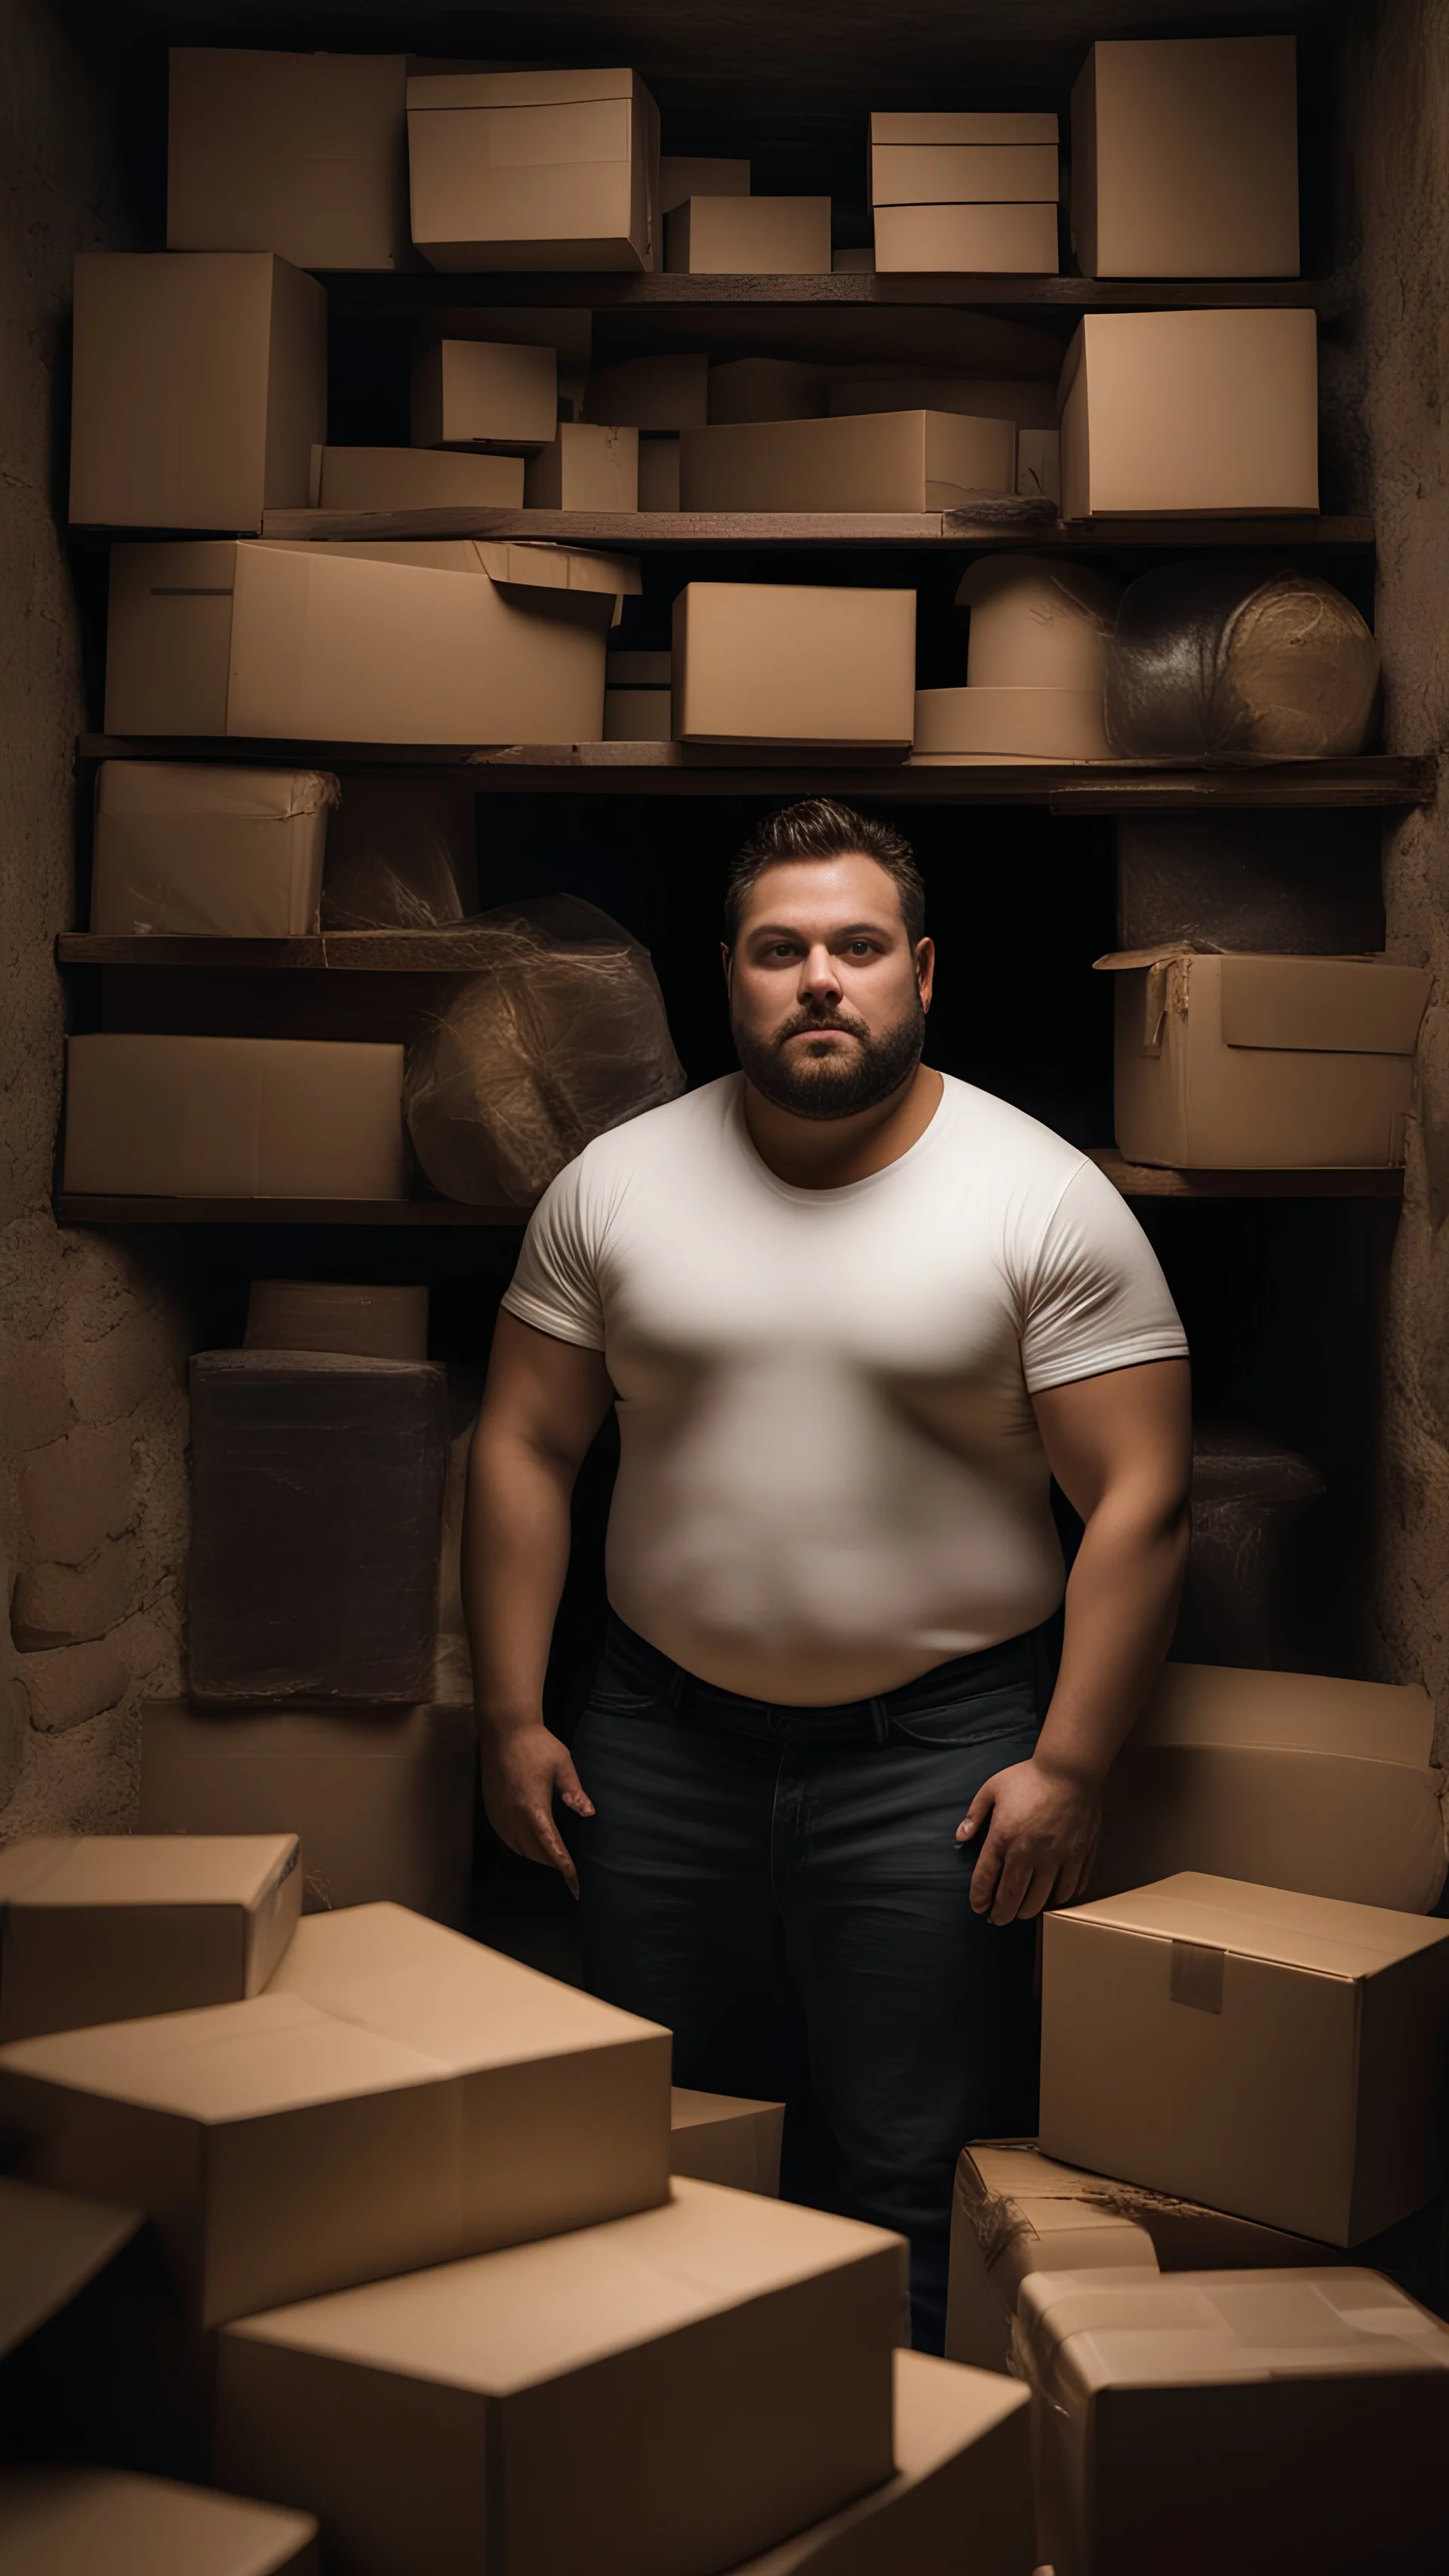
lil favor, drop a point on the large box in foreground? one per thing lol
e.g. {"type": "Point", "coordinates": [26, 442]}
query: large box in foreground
{"type": "Point", "coordinates": [233, 1118]}
{"type": "Point", "coordinates": [68, 2521]}
{"type": "Point", "coordinates": [1185, 158]}
{"type": "Point", "coordinates": [534, 169]}
{"type": "Point", "coordinates": [766, 662]}
{"type": "Point", "coordinates": [185, 851]}
{"type": "Point", "coordinates": [1281, 2057]}
{"type": "Point", "coordinates": [903, 460]}
{"type": "Point", "coordinates": [305, 154]}
{"type": "Point", "coordinates": [1196, 411]}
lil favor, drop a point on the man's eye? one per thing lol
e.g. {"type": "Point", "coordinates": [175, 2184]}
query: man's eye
{"type": "Point", "coordinates": [862, 948]}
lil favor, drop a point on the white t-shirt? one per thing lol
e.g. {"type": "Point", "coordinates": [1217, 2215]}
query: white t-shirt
{"type": "Point", "coordinates": [830, 1474]}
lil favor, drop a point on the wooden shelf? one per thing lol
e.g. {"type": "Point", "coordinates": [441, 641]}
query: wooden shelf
{"type": "Point", "coordinates": [1004, 520]}
{"type": "Point", "coordinates": [375, 952]}
{"type": "Point", "coordinates": [1331, 1181]}
{"type": "Point", "coordinates": [424, 290]}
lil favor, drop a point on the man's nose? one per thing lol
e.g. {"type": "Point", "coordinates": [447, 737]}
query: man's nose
{"type": "Point", "coordinates": [818, 976]}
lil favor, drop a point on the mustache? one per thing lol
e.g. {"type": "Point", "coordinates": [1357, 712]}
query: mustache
{"type": "Point", "coordinates": [811, 1023]}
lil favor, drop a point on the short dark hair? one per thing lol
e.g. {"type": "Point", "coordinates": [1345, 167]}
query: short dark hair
{"type": "Point", "coordinates": [818, 828]}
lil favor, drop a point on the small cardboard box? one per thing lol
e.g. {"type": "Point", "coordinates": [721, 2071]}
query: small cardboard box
{"type": "Point", "coordinates": [1028, 400]}
{"type": "Point", "coordinates": [383, 1801]}
{"type": "Point", "coordinates": [449, 641]}
{"type": "Point", "coordinates": [367, 1323]}
{"type": "Point", "coordinates": [107, 1927]}
{"type": "Point", "coordinates": [1290, 1779]}
{"type": "Point", "coordinates": [489, 394]}
{"type": "Point", "coordinates": [1208, 412]}
{"type": "Point", "coordinates": [303, 154]}
{"type": "Point", "coordinates": [718, 2138]}
{"type": "Point", "coordinates": [985, 241]}
{"type": "Point", "coordinates": [1011, 724]}
{"type": "Point", "coordinates": [1281, 2057]}
{"type": "Point", "coordinates": [1250, 1063]}
{"type": "Point", "coordinates": [749, 237]}
{"type": "Point", "coordinates": [889, 460]}
{"type": "Point", "coordinates": [768, 662]}
{"type": "Point", "coordinates": [665, 393]}
{"type": "Point", "coordinates": [963, 174]}
{"type": "Point", "coordinates": [622, 2353]}
{"type": "Point", "coordinates": [658, 473]}
{"type": "Point", "coordinates": [587, 467]}
{"type": "Point", "coordinates": [397, 2097]}
{"type": "Point", "coordinates": [233, 1118]}
{"type": "Point", "coordinates": [200, 388]}
{"type": "Point", "coordinates": [1256, 2420]}
{"type": "Point", "coordinates": [637, 715]}
{"type": "Point", "coordinates": [768, 389]}
{"type": "Point", "coordinates": [416, 478]}
{"type": "Point", "coordinates": [682, 175]}
{"type": "Point", "coordinates": [208, 853]}
{"type": "Point", "coordinates": [536, 169]}
{"type": "Point", "coordinates": [69, 2521]}
{"type": "Point", "coordinates": [1185, 158]}
{"type": "Point", "coordinates": [957, 125]}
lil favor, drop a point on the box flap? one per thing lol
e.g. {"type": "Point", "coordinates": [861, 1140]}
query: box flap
{"type": "Point", "coordinates": [145, 1869]}
{"type": "Point", "coordinates": [1324, 1934]}
{"type": "Point", "coordinates": [519, 89]}
{"type": "Point", "coordinates": [1337, 1005]}
{"type": "Point", "coordinates": [1289, 1712]}
{"type": "Point", "coordinates": [51, 2244]}
{"type": "Point", "coordinates": [1095, 2330]}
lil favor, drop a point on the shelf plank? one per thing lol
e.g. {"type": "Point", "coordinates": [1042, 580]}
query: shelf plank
{"type": "Point", "coordinates": [424, 290]}
{"type": "Point", "coordinates": [1329, 1181]}
{"type": "Point", "coordinates": [995, 520]}
{"type": "Point", "coordinates": [376, 952]}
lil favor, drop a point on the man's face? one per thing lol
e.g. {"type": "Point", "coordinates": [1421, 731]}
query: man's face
{"type": "Point", "coordinates": [828, 998]}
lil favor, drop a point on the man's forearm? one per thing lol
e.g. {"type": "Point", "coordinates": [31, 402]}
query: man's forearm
{"type": "Point", "coordinates": [1120, 1608]}
{"type": "Point", "coordinates": [514, 1559]}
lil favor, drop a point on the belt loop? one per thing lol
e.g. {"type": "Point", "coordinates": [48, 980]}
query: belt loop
{"type": "Point", "coordinates": [880, 1723]}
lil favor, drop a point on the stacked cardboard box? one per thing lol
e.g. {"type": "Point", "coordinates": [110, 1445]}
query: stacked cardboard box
{"type": "Point", "coordinates": [538, 169]}
{"type": "Point", "coordinates": [961, 190]}
{"type": "Point", "coordinates": [1185, 158]}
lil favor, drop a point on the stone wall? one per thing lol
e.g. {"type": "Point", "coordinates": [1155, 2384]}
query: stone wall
{"type": "Point", "coordinates": [93, 1337]}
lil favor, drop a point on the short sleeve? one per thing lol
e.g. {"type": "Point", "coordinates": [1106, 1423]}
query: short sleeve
{"type": "Point", "coordinates": [556, 1284]}
{"type": "Point", "coordinates": [1094, 1297]}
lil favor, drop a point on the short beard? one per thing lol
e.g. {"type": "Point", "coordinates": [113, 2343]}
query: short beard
{"type": "Point", "coordinates": [835, 1084]}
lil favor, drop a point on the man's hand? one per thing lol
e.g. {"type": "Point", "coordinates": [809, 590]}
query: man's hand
{"type": "Point", "coordinates": [1041, 1841]}
{"type": "Point", "coordinates": [524, 1769]}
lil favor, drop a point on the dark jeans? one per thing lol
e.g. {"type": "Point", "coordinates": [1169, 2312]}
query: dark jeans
{"type": "Point", "coordinates": [782, 1888]}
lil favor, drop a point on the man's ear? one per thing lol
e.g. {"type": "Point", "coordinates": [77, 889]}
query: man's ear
{"type": "Point", "coordinates": [925, 969]}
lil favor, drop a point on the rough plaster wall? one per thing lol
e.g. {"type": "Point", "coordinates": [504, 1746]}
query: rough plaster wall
{"type": "Point", "coordinates": [1399, 164]}
{"type": "Point", "coordinates": [92, 1340]}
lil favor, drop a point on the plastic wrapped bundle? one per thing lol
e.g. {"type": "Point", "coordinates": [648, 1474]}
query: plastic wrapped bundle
{"type": "Point", "coordinates": [1245, 1600]}
{"type": "Point", "coordinates": [559, 1035]}
{"type": "Point", "coordinates": [400, 855]}
{"type": "Point", "coordinates": [1238, 660]}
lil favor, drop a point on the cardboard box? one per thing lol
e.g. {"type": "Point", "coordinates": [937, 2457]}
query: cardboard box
{"type": "Point", "coordinates": [622, 2353]}
{"type": "Point", "coordinates": [1248, 1063]}
{"type": "Point", "coordinates": [69, 2521]}
{"type": "Point", "coordinates": [963, 2465]}
{"type": "Point", "coordinates": [397, 2097]}
{"type": "Point", "coordinates": [637, 715]}
{"type": "Point", "coordinates": [1258, 2420]}
{"type": "Point", "coordinates": [1209, 412]}
{"type": "Point", "coordinates": [459, 641]}
{"type": "Point", "coordinates": [570, 335]}
{"type": "Point", "coordinates": [1011, 724]}
{"type": "Point", "coordinates": [53, 2244]}
{"type": "Point", "coordinates": [894, 460]}
{"type": "Point", "coordinates": [1289, 1779]}
{"type": "Point", "coordinates": [208, 853]}
{"type": "Point", "coordinates": [106, 1927]}
{"type": "Point", "coordinates": [770, 662]}
{"type": "Point", "coordinates": [1028, 400]}
{"type": "Point", "coordinates": [199, 389]}
{"type": "Point", "coordinates": [718, 2138]}
{"type": "Point", "coordinates": [963, 174]}
{"type": "Point", "coordinates": [664, 393]}
{"type": "Point", "coordinates": [683, 175]}
{"type": "Point", "coordinates": [1037, 623]}
{"type": "Point", "coordinates": [333, 1315]}
{"type": "Point", "coordinates": [640, 670]}
{"type": "Point", "coordinates": [303, 154]}
{"type": "Point", "coordinates": [1185, 158]}
{"type": "Point", "coordinates": [768, 389]}
{"type": "Point", "coordinates": [233, 1118]}
{"type": "Point", "coordinates": [955, 125]}
{"type": "Point", "coordinates": [490, 394]}
{"type": "Point", "coordinates": [1278, 2056]}
{"type": "Point", "coordinates": [383, 1800]}
{"type": "Point", "coordinates": [587, 468]}
{"type": "Point", "coordinates": [537, 169]}
{"type": "Point", "coordinates": [989, 241]}
{"type": "Point", "coordinates": [749, 237]}
{"type": "Point", "coordinates": [1039, 464]}
{"type": "Point", "coordinates": [416, 478]}
{"type": "Point", "coordinates": [658, 472]}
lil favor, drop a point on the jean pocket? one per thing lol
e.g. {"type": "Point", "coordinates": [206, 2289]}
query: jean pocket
{"type": "Point", "coordinates": [988, 1718]}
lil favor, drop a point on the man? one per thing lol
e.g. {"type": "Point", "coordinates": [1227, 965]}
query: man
{"type": "Point", "coordinates": [853, 1316]}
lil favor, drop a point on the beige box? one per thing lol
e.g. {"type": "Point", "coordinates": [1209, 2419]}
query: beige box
{"type": "Point", "coordinates": [894, 460]}
{"type": "Point", "coordinates": [1037, 623]}
{"type": "Point", "coordinates": [68, 2521]}
{"type": "Point", "coordinates": [332, 1315]}
{"type": "Point", "coordinates": [640, 670]}
{"type": "Point", "coordinates": [587, 467]}
{"type": "Point", "coordinates": [105, 1927]}
{"type": "Point", "coordinates": [638, 715]}
{"type": "Point", "coordinates": [768, 662]}
{"type": "Point", "coordinates": [682, 176]}
{"type": "Point", "coordinates": [1011, 724]}
{"type": "Point", "coordinates": [749, 237]}
{"type": "Point", "coordinates": [618, 2357]}
{"type": "Point", "coordinates": [284, 1118]}
{"type": "Point", "coordinates": [458, 641]}
{"type": "Point", "coordinates": [1290, 1779]}
{"type": "Point", "coordinates": [963, 174]}
{"type": "Point", "coordinates": [383, 1801]}
{"type": "Point", "coordinates": [716, 2137]}
{"type": "Point", "coordinates": [1185, 158]}
{"type": "Point", "coordinates": [416, 478]}
{"type": "Point", "coordinates": [570, 335]}
{"type": "Point", "coordinates": [1250, 1063]}
{"type": "Point", "coordinates": [303, 154]}
{"type": "Point", "coordinates": [208, 853]}
{"type": "Point", "coordinates": [1281, 2057]}
{"type": "Point", "coordinates": [664, 393]}
{"type": "Point", "coordinates": [397, 2097]}
{"type": "Point", "coordinates": [1256, 2420]}
{"type": "Point", "coordinates": [485, 393]}
{"type": "Point", "coordinates": [768, 389]}
{"type": "Point", "coordinates": [956, 125]}
{"type": "Point", "coordinates": [1209, 412]}
{"type": "Point", "coordinates": [52, 2244]}
{"type": "Point", "coordinates": [200, 388]}
{"type": "Point", "coordinates": [1039, 464]}
{"type": "Point", "coordinates": [534, 170]}
{"type": "Point", "coordinates": [987, 241]}
{"type": "Point", "coordinates": [1028, 400]}
{"type": "Point", "coordinates": [658, 472]}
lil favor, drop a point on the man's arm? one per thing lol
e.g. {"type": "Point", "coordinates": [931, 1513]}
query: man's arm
{"type": "Point", "coordinates": [1120, 1447]}
{"type": "Point", "coordinates": [542, 1405]}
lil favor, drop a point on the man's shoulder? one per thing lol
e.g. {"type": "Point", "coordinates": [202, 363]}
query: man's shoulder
{"type": "Point", "coordinates": [1010, 1140]}
{"type": "Point", "coordinates": [654, 1140]}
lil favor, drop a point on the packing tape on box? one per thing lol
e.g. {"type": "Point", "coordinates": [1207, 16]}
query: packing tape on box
{"type": "Point", "coordinates": [999, 2226]}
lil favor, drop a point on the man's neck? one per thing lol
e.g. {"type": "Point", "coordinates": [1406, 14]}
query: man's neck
{"type": "Point", "coordinates": [829, 1153]}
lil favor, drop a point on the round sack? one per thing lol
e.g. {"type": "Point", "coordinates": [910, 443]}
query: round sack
{"type": "Point", "coordinates": [1238, 660]}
